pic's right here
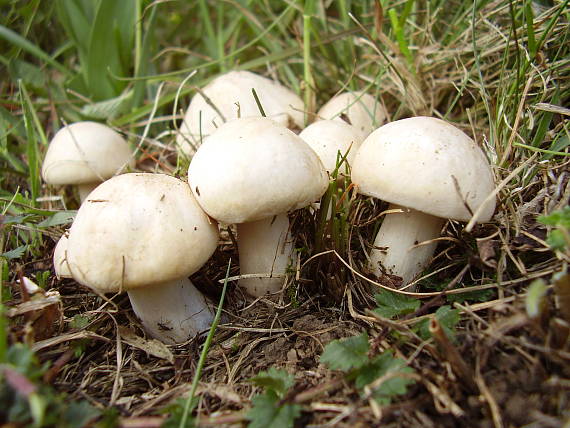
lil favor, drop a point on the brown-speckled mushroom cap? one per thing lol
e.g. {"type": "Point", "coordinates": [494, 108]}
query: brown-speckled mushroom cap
{"type": "Point", "coordinates": [137, 230]}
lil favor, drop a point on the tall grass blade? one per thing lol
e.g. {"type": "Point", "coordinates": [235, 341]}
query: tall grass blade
{"type": "Point", "coordinates": [24, 44]}
{"type": "Point", "coordinates": [190, 401]}
{"type": "Point", "coordinates": [32, 144]}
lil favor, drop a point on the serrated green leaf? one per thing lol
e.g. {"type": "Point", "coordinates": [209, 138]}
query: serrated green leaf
{"type": "Point", "coordinates": [392, 304]}
{"type": "Point", "coordinates": [559, 218]}
{"type": "Point", "coordinates": [346, 354]}
{"type": "Point", "coordinates": [59, 218]}
{"type": "Point", "coordinates": [447, 317]}
{"type": "Point", "coordinates": [275, 380]}
{"type": "Point", "coordinates": [108, 109]}
{"type": "Point", "coordinates": [16, 253]}
{"type": "Point", "coordinates": [557, 240]}
{"type": "Point", "coordinates": [79, 414]}
{"type": "Point", "coordinates": [266, 412]}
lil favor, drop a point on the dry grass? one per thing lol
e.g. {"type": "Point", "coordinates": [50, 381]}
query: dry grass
{"type": "Point", "coordinates": [503, 370]}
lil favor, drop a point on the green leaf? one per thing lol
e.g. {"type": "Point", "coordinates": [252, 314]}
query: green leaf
{"type": "Point", "coordinates": [380, 366]}
{"type": "Point", "coordinates": [16, 253]}
{"type": "Point", "coordinates": [392, 304]}
{"type": "Point", "coordinates": [109, 53]}
{"type": "Point", "coordinates": [266, 412]}
{"type": "Point", "coordinates": [274, 380]}
{"type": "Point", "coordinates": [59, 218]}
{"type": "Point", "coordinates": [79, 414]}
{"type": "Point", "coordinates": [447, 317]}
{"type": "Point", "coordinates": [559, 218]}
{"type": "Point", "coordinates": [471, 296]}
{"type": "Point", "coordinates": [346, 354]}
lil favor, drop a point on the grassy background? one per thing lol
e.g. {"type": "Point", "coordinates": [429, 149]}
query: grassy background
{"type": "Point", "coordinates": [499, 70]}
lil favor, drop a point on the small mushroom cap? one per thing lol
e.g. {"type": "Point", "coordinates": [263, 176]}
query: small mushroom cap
{"type": "Point", "coordinates": [362, 110]}
{"type": "Point", "coordinates": [226, 92]}
{"type": "Point", "coordinates": [59, 258]}
{"type": "Point", "coordinates": [426, 164]}
{"type": "Point", "coordinates": [328, 138]}
{"type": "Point", "coordinates": [137, 230]}
{"type": "Point", "coordinates": [85, 152]}
{"type": "Point", "coordinates": [254, 168]}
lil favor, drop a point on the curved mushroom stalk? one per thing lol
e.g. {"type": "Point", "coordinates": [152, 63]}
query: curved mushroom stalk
{"type": "Point", "coordinates": [173, 312]}
{"type": "Point", "coordinates": [265, 248]}
{"type": "Point", "coordinates": [396, 250]}
{"type": "Point", "coordinates": [84, 190]}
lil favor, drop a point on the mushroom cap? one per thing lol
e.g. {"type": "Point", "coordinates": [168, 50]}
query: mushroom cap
{"type": "Point", "coordinates": [329, 137]}
{"type": "Point", "coordinates": [226, 92]}
{"type": "Point", "coordinates": [254, 168]}
{"type": "Point", "coordinates": [138, 230]}
{"type": "Point", "coordinates": [362, 110]}
{"type": "Point", "coordinates": [85, 152]}
{"type": "Point", "coordinates": [426, 164]}
{"type": "Point", "coordinates": [59, 258]}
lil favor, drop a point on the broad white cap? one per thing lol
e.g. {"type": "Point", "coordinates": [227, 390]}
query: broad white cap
{"type": "Point", "coordinates": [85, 152]}
{"type": "Point", "coordinates": [331, 139]}
{"type": "Point", "coordinates": [426, 164]}
{"type": "Point", "coordinates": [359, 109]}
{"type": "Point", "coordinates": [228, 91]}
{"type": "Point", "coordinates": [254, 168]}
{"type": "Point", "coordinates": [138, 230]}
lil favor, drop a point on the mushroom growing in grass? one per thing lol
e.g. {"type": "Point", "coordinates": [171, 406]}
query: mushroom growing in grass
{"type": "Point", "coordinates": [145, 234]}
{"type": "Point", "coordinates": [252, 172]}
{"type": "Point", "coordinates": [85, 154]}
{"type": "Point", "coordinates": [429, 171]}
{"type": "Point", "coordinates": [332, 140]}
{"type": "Point", "coordinates": [230, 96]}
{"type": "Point", "coordinates": [60, 258]}
{"type": "Point", "coordinates": [359, 109]}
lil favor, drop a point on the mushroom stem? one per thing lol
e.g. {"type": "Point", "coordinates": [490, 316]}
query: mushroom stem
{"type": "Point", "coordinates": [265, 248]}
{"type": "Point", "coordinates": [396, 250]}
{"type": "Point", "coordinates": [173, 312]}
{"type": "Point", "coordinates": [84, 189]}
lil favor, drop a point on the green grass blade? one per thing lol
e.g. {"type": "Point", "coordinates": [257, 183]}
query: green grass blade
{"type": "Point", "coordinates": [204, 353]}
{"type": "Point", "coordinates": [111, 35]}
{"type": "Point", "coordinates": [24, 44]}
{"type": "Point", "coordinates": [401, 38]}
{"type": "Point", "coordinates": [531, 39]}
{"type": "Point", "coordinates": [32, 144]}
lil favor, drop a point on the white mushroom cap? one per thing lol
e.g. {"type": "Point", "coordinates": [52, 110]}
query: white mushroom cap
{"type": "Point", "coordinates": [59, 258]}
{"type": "Point", "coordinates": [426, 164]}
{"type": "Point", "coordinates": [328, 138]}
{"type": "Point", "coordinates": [85, 152]}
{"type": "Point", "coordinates": [138, 230]}
{"type": "Point", "coordinates": [362, 110]}
{"type": "Point", "coordinates": [254, 168]}
{"type": "Point", "coordinates": [226, 92]}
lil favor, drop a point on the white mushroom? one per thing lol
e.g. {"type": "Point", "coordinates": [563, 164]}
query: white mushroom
{"type": "Point", "coordinates": [359, 109]}
{"type": "Point", "coordinates": [60, 258]}
{"type": "Point", "coordinates": [429, 171]}
{"type": "Point", "coordinates": [85, 154]}
{"type": "Point", "coordinates": [252, 172]}
{"type": "Point", "coordinates": [145, 234]}
{"type": "Point", "coordinates": [331, 140]}
{"type": "Point", "coordinates": [232, 96]}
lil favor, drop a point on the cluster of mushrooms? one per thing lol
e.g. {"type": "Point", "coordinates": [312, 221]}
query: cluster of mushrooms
{"type": "Point", "coordinates": [147, 233]}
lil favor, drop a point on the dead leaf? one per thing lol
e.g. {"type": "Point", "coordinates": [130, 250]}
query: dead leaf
{"type": "Point", "coordinates": [151, 346]}
{"type": "Point", "coordinates": [486, 249]}
{"type": "Point", "coordinates": [378, 16]}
